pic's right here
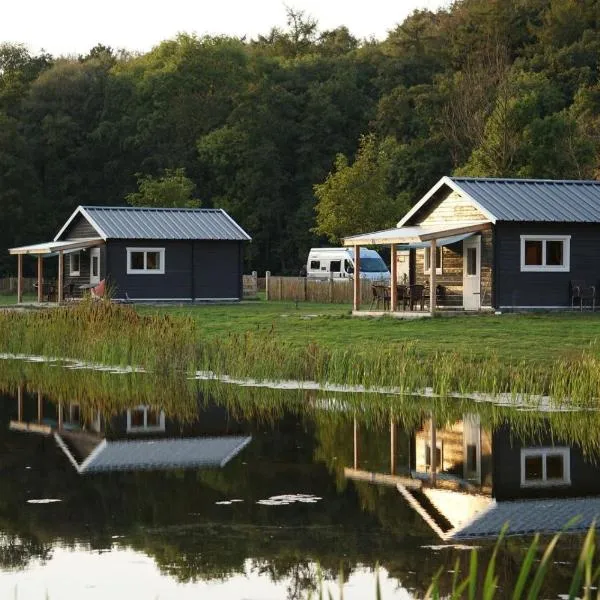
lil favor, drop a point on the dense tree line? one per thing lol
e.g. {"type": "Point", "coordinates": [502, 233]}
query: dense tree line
{"type": "Point", "coordinates": [267, 128]}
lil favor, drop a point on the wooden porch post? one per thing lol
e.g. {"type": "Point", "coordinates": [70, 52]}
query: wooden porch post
{"type": "Point", "coordinates": [433, 444]}
{"type": "Point", "coordinates": [60, 416]}
{"type": "Point", "coordinates": [356, 278]}
{"type": "Point", "coordinates": [61, 265]}
{"type": "Point", "coordinates": [355, 444]}
{"type": "Point", "coordinates": [393, 278]}
{"type": "Point", "coordinates": [40, 273]}
{"type": "Point", "coordinates": [432, 273]}
{"type": "Point", "coordinates": [20, 391]}
{"type": "Point", "coordinates": [392, 445]}
{"type": "Point", "coordinates": [19, 278]}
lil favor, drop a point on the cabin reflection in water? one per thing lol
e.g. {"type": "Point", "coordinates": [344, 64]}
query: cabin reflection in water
{"type": "Point", "coordinates": [140, 438]}
{"type": "Point", "coordinates": [478, 479]}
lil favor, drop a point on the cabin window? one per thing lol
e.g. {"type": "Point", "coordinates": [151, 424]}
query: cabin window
{"type": "Point", "coordinates": [74, 264]}
{"type": "Point", "coordinates": [145, 261]}
{"type": "Point", "coordinates": [144, 419]}
{"type": "Point", "coordinates": [545, 252]}
{"type": "Point", "coordinates": [545, 467]}
{"type": "Point", "coordinates": [315, 265]}
{"type": "Point", "coordinates": [438, 260]}
{"type": "Point", "coordinates": [335, 266]}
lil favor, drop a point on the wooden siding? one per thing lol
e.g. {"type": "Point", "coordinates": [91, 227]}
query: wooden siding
{"type": "Point", "coordinates": [544, 289]}
{"type": "Point", "coordinates": [79, 228]}
{"type": "Point", "coordinates": [451, 277]}
{"type": "Point", "coordinates": [217, 269]}
{"type": "Point", "coordinates": [450, 208]}
{"type": "Point", "coordinates": [585, 476]}
{"type": "Point", "coordinates": [193, 270]}
{"type": "Point", "coordinates": [84, 270]}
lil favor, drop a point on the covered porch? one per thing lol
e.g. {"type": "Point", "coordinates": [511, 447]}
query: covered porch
{"type": "Point", "coordinates": [43, 251]}
{"type": "Point", "coordinates": [419, 287]}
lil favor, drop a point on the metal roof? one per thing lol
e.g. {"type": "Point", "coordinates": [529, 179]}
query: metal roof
{"type": "Point", "coordinates": [564, 201]}
{"type": "Point", "coordinates": [132, 222]}
{"type": "Point", "coordinates": [172, 453]}
{"type": "Point", "coordinates": [531, 516]}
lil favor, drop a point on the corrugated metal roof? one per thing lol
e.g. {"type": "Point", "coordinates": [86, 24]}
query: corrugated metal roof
{"type": "Point", "coordinates": [564, 201]}
{"type": "Point", "coordinates": [127, 222]}
{"type": "Point", "coordinates": [531, 516]}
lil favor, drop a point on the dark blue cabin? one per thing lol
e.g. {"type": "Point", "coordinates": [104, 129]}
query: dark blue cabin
{"type": "Point", "coordinates": [149, 254]}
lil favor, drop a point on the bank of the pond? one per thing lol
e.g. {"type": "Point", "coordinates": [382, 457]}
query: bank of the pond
{"type": "Point", "coordinates": [484, 354]}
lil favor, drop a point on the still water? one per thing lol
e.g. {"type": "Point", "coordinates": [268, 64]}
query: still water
{"type": "Point", "coordinates": [238, 495]}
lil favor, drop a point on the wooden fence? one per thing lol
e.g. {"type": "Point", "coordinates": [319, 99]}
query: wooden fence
{"type": "Point", "coordinates": [8, 285]}
{"type": "Point", "coordinates": [302, 289]}
{"type": "Point", "coordinates": [250, 285]}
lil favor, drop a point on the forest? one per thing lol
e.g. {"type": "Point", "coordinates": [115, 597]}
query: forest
{"type": "Point", "coordinates": [302, 135]}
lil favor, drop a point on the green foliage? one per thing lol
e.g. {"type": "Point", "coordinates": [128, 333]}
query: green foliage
{"type": "Point", "coordinates": [355, 197]}
{"type": "Point", "coordinates": [481, 87]}
{"type": "Point", "coordinates": [171, 190]}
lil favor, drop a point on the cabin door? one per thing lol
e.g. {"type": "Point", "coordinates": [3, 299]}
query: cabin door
{"type": "Point", "coordinates": [94, 266]}
{"type": "Point", "coordinates": [472, 273]}
{"type": "Point", "coordinates": [403, 269]}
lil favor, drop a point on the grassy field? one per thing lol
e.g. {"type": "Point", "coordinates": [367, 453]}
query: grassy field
{"type": "Point", "coordinates": [539, 337]}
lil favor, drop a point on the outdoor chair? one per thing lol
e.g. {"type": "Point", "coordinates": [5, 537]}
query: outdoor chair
{"type": "Point", "coordinates": [417, 296]}
{"type": "Point", "coordinates": [581, 292]}
{"type": "Point", "coordinates": [403, 295]}
{"type": "Point", "coordinates": [97, 292]}
{"type": "Point", "coordinates": [381, 293]}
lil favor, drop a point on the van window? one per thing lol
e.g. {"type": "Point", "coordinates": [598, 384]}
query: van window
{"type": "Point", "coordinates": [335, 266]}
{"type": "Point", "coordinates": [315, 264]}
{"type": "Point", "coordinates": [348, 266]}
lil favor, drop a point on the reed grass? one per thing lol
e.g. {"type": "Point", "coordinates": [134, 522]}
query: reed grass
{"type": "Point", "coordinates": [120, 335]}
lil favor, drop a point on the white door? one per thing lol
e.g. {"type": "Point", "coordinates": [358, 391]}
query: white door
{"type": "Point", "coordinates": [94, 266]}
{"type": "Point", "coordinates": [472, 273]}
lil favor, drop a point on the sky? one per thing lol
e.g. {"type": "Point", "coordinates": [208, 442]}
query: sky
{"type": "Point", "coordinates": [71, 27]}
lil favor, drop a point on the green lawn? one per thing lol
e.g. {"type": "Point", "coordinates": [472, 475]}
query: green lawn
{"type": "Point", "coordinates": [7, 299]}
{"type": "Point", "coordinates": [533, 336]}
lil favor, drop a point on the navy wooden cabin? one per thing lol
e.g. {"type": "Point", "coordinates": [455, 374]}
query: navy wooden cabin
{"type": "Point", "coordinates": [146, 254]}
{"type": "Point", "coordinates": [499, 244]}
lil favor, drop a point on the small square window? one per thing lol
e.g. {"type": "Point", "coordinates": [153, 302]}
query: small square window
{"type": "Point", "coordinates": [74, 264]}
{"type": "Point", "coordinates": [555, 466]}
{"type": "Point", "coordinates": [545, 253]}
{"type": "Point", "coordinates": [533, 252]}
{"type": "Point", "coordinates": [153, 261]}
{"type": "Point", "coordinates": [136, 260]}
{"type": "Point", "coordinates": [335, 266]}
{"type": "Point", "coordinates": [148, 261]}
{"type": "Point", "coordinates": [554, 252]}
{"type": "Point", "coordinates": [534, 467]}
{"type": "Point", "coordinates": [315, 264]}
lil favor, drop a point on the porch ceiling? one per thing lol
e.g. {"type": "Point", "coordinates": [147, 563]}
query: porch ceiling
{"type": "Point", "coordinates": [416, 234]}
{"type": "Point", "coordinates": [49, 248]}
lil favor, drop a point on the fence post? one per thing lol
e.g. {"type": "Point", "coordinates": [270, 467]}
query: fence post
{"type": "Point", "coordinates": [280, 288]}
{"type": "Point", "coordinates": [305, 289]}
{"type": "Point", "coordinates": [267, 284]}
{"type": "Point", "coordinates": [255, 282]}
{"type": "Point", "coordinates": [331, 287]}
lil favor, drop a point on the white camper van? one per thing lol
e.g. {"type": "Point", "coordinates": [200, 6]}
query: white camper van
{"type": "Point", "coordinates": [338, 263]}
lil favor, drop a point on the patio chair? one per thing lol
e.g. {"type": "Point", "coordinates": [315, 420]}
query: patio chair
{"type": "Point", "coordinates": [417, 296]}
{"type": "Point", "coordinates": [580, 292]}
{"type": "Point", "coordinates": [98, 291]}
{"type": "Point", "coordinates": [381, 293]}
{"type": "Point", "coordinates": [403, 295]}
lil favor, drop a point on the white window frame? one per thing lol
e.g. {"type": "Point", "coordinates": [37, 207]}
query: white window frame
{"type": "Point", "coordinates": [427, 251]}
{"type": "Point", "coordinates": [565, 452]}
{"type": "Point", "coordinates": [145, 270]}
{"type": "Point", "coordinates": [564, 268]}
{"type": "Point", "coordinates": [145, 428]}
{"type": "Point", "coordinates": [73, 273]}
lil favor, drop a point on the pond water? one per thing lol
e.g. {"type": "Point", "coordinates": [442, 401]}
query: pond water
{"type": "Point", "coordinates": [114, 486]}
